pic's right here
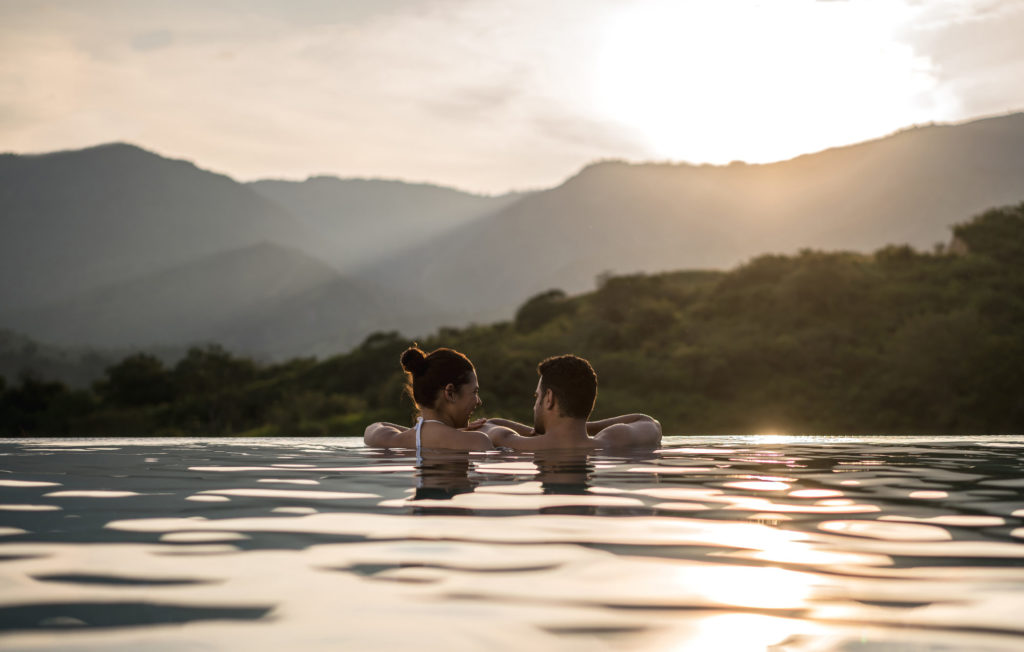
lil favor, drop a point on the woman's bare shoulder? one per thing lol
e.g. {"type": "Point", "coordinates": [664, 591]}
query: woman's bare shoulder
{"type": "Point", "coordinates": [439, 435]}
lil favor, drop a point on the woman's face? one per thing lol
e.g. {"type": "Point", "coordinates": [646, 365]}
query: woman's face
{"type": "Point", "coordinates": [464, 401]}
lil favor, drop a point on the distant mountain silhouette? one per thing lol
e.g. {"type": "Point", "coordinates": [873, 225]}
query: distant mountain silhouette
{"type": "Point", "coordinates": [75, 221]}
{"type": "Point", "coordinates": [357, 221]}
{"type": "Point", "coordinates": [265, 299]}
{"type": "Point", "coordinates": [909, 187]}
{"type": "Point", "coordinates": [114, 246]}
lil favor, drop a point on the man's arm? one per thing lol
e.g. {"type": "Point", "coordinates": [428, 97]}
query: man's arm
{"type": "Point", "coordinates": [594, 427]}
{"type": "Point", "coordinates": [518, 428]}
{"type": "Point", "coordinates": [628, 431]}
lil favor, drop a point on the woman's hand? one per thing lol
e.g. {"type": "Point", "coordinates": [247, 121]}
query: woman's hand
{"type": "Point", "coordinates": [475, 425]}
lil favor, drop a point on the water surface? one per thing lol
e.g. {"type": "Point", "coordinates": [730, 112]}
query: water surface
{"type": "Point", "coordinates": [724, 543]}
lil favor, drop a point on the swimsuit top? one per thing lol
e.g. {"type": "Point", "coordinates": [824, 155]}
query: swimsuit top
{"type": "Point", "coordinates": [419, 447]}
{"type": "Point", "coordinates": [419, 424]}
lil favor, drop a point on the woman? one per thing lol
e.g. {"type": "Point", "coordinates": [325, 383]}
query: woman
{"type": "Point", "coordinates": [444, 387]}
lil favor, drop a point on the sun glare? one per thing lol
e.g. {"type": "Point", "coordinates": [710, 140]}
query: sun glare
{"type": "Point", "coordinates": [754, 587]}
{"type": "Point", "coordinates": [737, 631]}
{"type": "Point", "coordinates": [760, 81]}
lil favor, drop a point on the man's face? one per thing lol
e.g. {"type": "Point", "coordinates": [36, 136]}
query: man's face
{"type": "Point", "coordinates": [538, 410]}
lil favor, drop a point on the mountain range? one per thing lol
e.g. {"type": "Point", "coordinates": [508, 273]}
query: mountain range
{"type": "Point", "coordinates": [617, 217]}
{"type": "Point", "coordinates": [115, 246]}
{"type": "Point", "coordinates": [355, 222]}
{"type": "Point", "coordinates": [76, 221]}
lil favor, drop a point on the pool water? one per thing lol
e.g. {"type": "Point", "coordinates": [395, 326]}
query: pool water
{"type": "Point", "coordinates": [712, 543]}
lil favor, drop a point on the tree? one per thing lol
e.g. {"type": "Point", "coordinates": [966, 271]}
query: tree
{"type": "Point", "coordinates": [138, 380]}
{"type": "Point", "coordinates": [997, 233]}
{"type": "Point", "coordinates": [211, 370]}
{"type": "Point", "coordinates": [541, 309]}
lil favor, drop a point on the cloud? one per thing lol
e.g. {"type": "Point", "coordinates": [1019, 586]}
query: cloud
{"type": "Point", "coordinates": [484, 95]}
{"type": "Point", "coordinates": [155, 40]}
{"type": "Point", "coordinates": [592, 135]}
{"type": "Point", "coordinates": [976, 51]}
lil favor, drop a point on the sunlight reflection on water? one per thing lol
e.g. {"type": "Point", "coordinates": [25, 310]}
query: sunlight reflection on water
{"type": "Point", "coordinates": [730, 543]}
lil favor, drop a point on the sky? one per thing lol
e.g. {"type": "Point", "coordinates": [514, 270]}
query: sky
{"type": "Point", "coordinates": [494, 95]}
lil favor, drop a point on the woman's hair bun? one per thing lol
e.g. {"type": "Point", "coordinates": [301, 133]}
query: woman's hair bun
{"type": "Point", "coordinates": [414, 360]}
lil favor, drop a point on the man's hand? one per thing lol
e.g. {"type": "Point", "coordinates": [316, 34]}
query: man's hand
{"type": "Point", "coordinates": [475, 425]}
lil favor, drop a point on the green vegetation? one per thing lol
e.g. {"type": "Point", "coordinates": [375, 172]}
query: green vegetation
{"type": "Point", "coordinates": [832, 343]}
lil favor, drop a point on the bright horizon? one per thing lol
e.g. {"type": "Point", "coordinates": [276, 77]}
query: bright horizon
{"type": "Point", "coordinates": [490, 96]}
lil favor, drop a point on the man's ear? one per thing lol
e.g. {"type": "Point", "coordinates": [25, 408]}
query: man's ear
{"type": "Point", "coordinates": [549, 399]}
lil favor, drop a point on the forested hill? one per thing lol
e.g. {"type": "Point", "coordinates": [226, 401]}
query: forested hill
{"type": "Point", "coordinates": [20, 355]}
{"type": "Point", "coordinates": [894, 342]}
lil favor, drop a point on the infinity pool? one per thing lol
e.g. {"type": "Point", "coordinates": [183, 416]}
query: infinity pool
{"type": "Point", "coordinates": [712, 543]}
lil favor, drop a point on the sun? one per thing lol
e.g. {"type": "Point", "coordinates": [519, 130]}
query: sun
{"type": "Point", "coordinates": [761, 81]}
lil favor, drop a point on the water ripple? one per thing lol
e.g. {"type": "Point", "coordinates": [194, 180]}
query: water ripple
{"type": "Point", "coordinates": [710, 543]}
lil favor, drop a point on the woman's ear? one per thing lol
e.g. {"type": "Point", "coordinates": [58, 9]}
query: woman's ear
{"type": "Point", "coordinates": [449, 392]}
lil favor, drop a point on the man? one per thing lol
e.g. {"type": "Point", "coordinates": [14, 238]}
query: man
{"type": "Point", "coordinates": [565, 398]}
